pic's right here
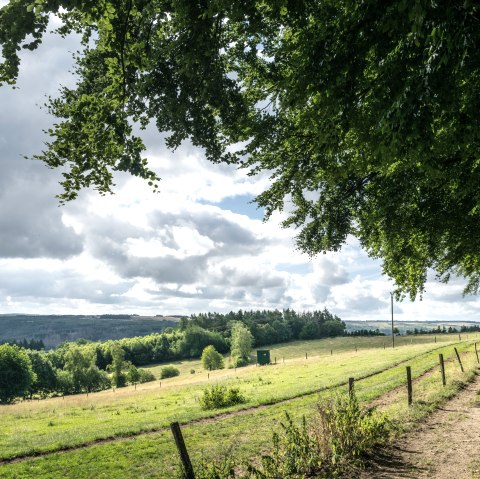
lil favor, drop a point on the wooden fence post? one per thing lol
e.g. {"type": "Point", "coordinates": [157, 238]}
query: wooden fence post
{"type": "Point", "coordinates": [476, 352]}
{"type": "Point", "coordinates": [409, 385]}
{"type": "Point", "coordinates": [306, 355]}
{"type": "Point", "coordinates": [459, 338]}
{"type": "Point", "coordinates": [331, 352]}
{"type": "Point", "coordinates": [351, 385]}
{"type": "Point", "coordinates": [442, 369]}
{"type": "Point", "coordinates": [182, 450]}
{"type": "Point", "coordinates": [459, 360]}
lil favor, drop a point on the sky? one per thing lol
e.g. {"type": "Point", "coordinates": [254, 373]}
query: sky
{"type": "Point", "coordinates": [198, 245]}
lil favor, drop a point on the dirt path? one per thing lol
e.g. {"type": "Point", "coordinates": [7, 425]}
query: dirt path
{"type": "Point", "coordinates": [445, 446]}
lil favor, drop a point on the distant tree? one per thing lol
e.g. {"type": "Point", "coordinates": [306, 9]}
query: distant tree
{"type": "Point", "coordinates": [133, 374]}
{"type": "Point", "coordinates": [16, 374]}
{"type": "Point", "coordinates": [77, 362]}
{"type": "Point", "coordinates": [82, 370]}
{"type": "Point", "coordinates": [331, 328]}
{"type": "Point", "coordinates": [310, 330]}
{"type": "Point", "coordinates": [119, 378]}
{"type": "Point", "coordinates": [64, 382]}
{"type": "Point", "coordinates": [45, 377]}
{"type": "Point", "coordinates": [212, 359]}
{"type": "Point", "coordinates": [196, 339]}
{"type": "Point", "coordinates": [95, 379]}
{"type": "Point", "coordinates": [241, 344]}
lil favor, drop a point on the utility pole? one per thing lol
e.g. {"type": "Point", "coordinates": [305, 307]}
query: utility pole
{"type": "Point", "coordinates": [393, 334]}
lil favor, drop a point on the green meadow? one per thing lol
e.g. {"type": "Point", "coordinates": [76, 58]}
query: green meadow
{"type": "Point", "coordinates": [125, 433]}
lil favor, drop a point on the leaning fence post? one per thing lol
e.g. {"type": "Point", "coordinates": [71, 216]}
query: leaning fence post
{"type": "Point", "coordinates": [409, 385]}
{"type": "Point", "coordinates": [442, 369]}
{"type": "Point", "coordinates": [351, 385]}
{"type": "Point", "coordinates": [459, 360]}
{"type": "Point", "coordinates": [182, 450]}
{"type": "Point", "coordinates": [476, 352]}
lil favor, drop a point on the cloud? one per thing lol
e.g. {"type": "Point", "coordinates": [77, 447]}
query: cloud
{"type": "Point", "coordinates": [56, 281]}
{"type": "Point", "coordinates": [196, 246]}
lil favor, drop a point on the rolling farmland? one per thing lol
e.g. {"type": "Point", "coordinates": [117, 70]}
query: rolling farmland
{"type": "Point", "coordinates": [125, 433]}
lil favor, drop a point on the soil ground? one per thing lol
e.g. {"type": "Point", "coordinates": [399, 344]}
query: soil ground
{"type": "Point", "coordinates": [445, 446]}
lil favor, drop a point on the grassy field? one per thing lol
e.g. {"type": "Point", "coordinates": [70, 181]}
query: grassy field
{"type": "Point", "coordinates": [292, 385]}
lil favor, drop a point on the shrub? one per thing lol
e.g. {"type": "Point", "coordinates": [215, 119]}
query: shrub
{"type": "Point", "coordinates": [239, 362]}
{"type": "Point", "coordinates": [217, 396]}
{"type": "Point", "coordinates": [169, 372]}
{"type": "Point", "coordinates": [146, 376]}
{"type": "Point", "coordinates": [347, 433]}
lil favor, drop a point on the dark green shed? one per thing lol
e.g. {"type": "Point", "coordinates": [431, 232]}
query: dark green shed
{"type": "Point", "coordinates": [263, 357]}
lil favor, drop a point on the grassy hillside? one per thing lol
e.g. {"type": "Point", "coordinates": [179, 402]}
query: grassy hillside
{"type": "Point", "coordinates": [53, 330]}
{"type": "Point", "coordinates": [292, 385]}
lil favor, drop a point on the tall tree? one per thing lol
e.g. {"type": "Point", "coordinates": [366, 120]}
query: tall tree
{"type": "Point", "coordinates": [119, 379]}
{"type": "Point", "coordinates": [45, 377]}
{"type": "Point", "coordinates": [365, 113]}
{"type": "Point", "coordinates": [241, 344]}
{"type": "Point", "coordinates": [16, 375]}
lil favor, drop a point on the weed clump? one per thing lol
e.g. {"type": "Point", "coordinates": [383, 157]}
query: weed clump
{"type": "Point", "coordinates": [333, 446]}
{"type": "Point", "coordinates": [218, 396]}
{"type": "Point", "coordinates": [346, 434]}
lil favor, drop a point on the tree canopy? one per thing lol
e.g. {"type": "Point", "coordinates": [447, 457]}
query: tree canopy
{"type": "Point", "coordinates": [16, 375]}
{"type": "Point", "coordinates": [364, 113]}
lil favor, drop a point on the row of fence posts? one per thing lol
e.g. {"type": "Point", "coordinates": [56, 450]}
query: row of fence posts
{"type": "Point", "coordinates": [182, 448]}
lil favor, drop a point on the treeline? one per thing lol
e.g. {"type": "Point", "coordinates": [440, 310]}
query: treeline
{"type": "Point", "coordinates": [270, 327]}
{"type": "Point", "coordinates": [365, 332]}
{"type": "Point", "coordinates": [445, 330]}
{"type": "Point", "coordinates": [34, 344]}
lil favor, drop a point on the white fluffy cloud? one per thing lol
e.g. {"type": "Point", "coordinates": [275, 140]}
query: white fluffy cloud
{"type": "Point", "coordinates": [197, 245]}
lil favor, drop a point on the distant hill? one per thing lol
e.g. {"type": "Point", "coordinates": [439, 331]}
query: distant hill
{"type": "Point", "coordinates": [403, 326]}
{"type": "Point", "coordinates": [56, 329]}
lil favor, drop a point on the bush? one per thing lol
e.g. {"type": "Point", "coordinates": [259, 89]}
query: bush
{"type": "Point", "coordinates": [146, 376]}
{"type": "Point", "coordinates": [239, 362]}
{"type": "Point", "coordinates": [217, 396]}
{"type": "Point", "coordinates": [346, 433]}
{"type": "Point", "coordinates": [169, 372]}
